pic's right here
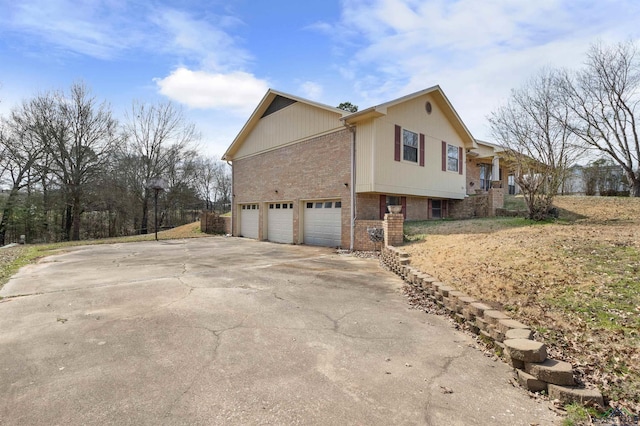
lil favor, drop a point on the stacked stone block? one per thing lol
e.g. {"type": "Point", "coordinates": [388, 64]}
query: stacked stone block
{"type": "Point", "coordinates": [534, 370]}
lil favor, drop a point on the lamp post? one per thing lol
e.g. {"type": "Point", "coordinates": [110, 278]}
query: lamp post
{"type": "Point", "coordinates": [157, 184]}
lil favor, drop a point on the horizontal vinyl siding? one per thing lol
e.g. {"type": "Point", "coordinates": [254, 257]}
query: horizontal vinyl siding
{"type": "Point", "coordinates": [293, 123]}
{"type": "Point", "coordinates": [364, 156]}
{"type": "Point", "coordinates": [410, 178]}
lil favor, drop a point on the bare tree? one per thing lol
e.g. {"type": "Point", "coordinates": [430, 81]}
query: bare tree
{"type": "Point", "coordinates": [21, 152]}
{"type": "Point", "coordinates": [156, 136]}
{"type": "Point", "coordinates": [223, 187]}
{"type": "Point", "coordinates": [213, 182]}
{"type": "Point", "coordinates": [603, 99]}
{"type": "Point", "coordinates": [79, 134]}
{"type": "Point", "coordinates": [540, 148]}
{"type": "Point", "coordinates": [205, 180]}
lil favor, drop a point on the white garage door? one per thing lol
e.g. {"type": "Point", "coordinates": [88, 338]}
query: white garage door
{"type": "Point", "coordinates": [280, 223]}
{"type": "Point", "coordinates": [323, 223]}
{"type": "Point", "coordinates": [249, 214]}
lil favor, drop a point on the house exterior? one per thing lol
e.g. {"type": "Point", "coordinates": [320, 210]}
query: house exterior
{"type": "Point", "coordinates": [486, 168]}
{"type": "Point", "coordinates": [597, 178]}
{"type": "Point", "coordinates": [308, 173]}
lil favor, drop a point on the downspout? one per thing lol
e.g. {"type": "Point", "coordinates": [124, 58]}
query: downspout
{"type": "Point", "coordinates": [352, 186]}
{"type": "Point", "coordinates": [233, 201]}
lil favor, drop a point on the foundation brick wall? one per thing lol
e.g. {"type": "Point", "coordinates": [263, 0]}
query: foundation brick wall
{"type": "Point", "coordinates": [417, 208]}
{"type": "Point", "coordinates": [367, 206]}
{"type": "Point", "coordinates": [362, 241]}
{"type": "Point", "coordinates": [473, 206]}
{"type": "Point", "coordinates": [317, 168]}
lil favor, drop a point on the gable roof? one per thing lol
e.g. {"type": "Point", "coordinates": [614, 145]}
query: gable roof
{"type": "Point", "coordinates": [271, 102]}
{"type": "Point", "coordinates": [495, 147]}
{"type": "Point", "coordinates": [439, 96]}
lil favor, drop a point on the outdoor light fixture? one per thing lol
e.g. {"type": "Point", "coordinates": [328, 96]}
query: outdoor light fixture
{"type": "Point", "coordinates": [157, 184]}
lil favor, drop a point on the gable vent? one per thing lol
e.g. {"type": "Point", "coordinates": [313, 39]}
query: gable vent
{"type": "Point", "coordinates": [277, 104]}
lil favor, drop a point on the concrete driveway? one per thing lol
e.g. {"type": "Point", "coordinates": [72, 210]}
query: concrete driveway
{"type": "Point", "coordinates": [232, 331]}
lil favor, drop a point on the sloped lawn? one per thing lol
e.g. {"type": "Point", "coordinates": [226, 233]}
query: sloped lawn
{"type": "Point", "coordinates": [576, 281]}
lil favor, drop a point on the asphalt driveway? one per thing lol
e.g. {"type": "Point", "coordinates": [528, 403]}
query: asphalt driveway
{"type": "Point", "coordinates": [232, 331]}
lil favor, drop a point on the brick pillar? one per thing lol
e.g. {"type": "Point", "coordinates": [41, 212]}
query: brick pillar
{"type": "Point", "coordinates": [496, 200]}
{"type": "Point", "coordinates": [393, 229]}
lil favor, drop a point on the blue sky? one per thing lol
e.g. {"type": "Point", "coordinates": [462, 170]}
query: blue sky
{"type": "Point", "coordinates": [218, 58]}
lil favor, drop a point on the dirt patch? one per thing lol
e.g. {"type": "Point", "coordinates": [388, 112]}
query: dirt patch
{"type": "Point", "coordinates": [576, 281]}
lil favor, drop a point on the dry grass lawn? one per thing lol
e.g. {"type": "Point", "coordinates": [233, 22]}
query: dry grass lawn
{"type": "Point", "coordinates": [576, 281]}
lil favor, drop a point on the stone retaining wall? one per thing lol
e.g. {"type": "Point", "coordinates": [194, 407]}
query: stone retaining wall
{"type": "Point", "coordinates": [511, 339]}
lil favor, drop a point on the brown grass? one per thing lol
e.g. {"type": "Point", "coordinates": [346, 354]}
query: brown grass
{"type": "Point", "coordinates": [576, 281]}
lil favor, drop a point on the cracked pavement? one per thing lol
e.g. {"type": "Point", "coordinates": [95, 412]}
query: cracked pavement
{"type": "Point", "coordinates": [233, 331]}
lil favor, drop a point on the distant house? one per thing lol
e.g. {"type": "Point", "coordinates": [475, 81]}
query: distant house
{"type": "Point", "coordinates": [598, 178]}
{"type": "Point", "coordinates": [304, 172]}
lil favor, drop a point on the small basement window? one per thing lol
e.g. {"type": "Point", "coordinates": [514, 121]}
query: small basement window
{"type": "Point", "coordinates": [436, 209]}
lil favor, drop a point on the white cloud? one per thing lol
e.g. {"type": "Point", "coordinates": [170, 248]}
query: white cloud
{"type": "Point", "coordinates": [204, 41]}
{"type": "Point", "coordinates": [238, 92]}
{"type": "Point", "coordinates": [477, 51]}
{"type": "Point", "coordinates": [107, 29]}
{"type": "Point", "coordinates": [311, 90]}
{"type": "Point", "coordinates": [99, 29]}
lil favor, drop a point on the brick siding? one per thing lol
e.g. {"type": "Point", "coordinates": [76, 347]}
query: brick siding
{"type": "Point", "coordinates": [362, 241]}
{"type": "Point", "coordinates": [393, 229]}
{"type": "Point", "coordinates": [317, 168]}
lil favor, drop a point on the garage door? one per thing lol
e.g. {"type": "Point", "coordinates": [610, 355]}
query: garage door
{"type": "Point", "coordinates": [323, 223]}
{"type": "Point", "coordinates": [249, 214]}
{"type": "Point", "coordinates": [280, 223]}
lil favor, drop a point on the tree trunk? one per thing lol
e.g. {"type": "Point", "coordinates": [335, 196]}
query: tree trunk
{"type": "Point", "coordinates": [635, 188]}
{"type": "Point", "coordinates": [67, 222]}
{"type": "Point", "coordinates": [76, 218]}
{"type": "Point", "coordinates": [145, 216]}
{"type": "Point", "coordinates": [3, 225]}
{"type": "Point", "coordinates": [6, 213]}
{"type": "Point", "coordinates": [45, 207]}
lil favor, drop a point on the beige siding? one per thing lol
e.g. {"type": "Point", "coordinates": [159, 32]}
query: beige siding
{"type": "Point", "coordinates": [291, 124]}
{"type": "Point", "coordinates": [403, 177]}
{"type": "Point", "coordinates": [485, 151]}
{"type": "Point", "coordinates": [364, 156]}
